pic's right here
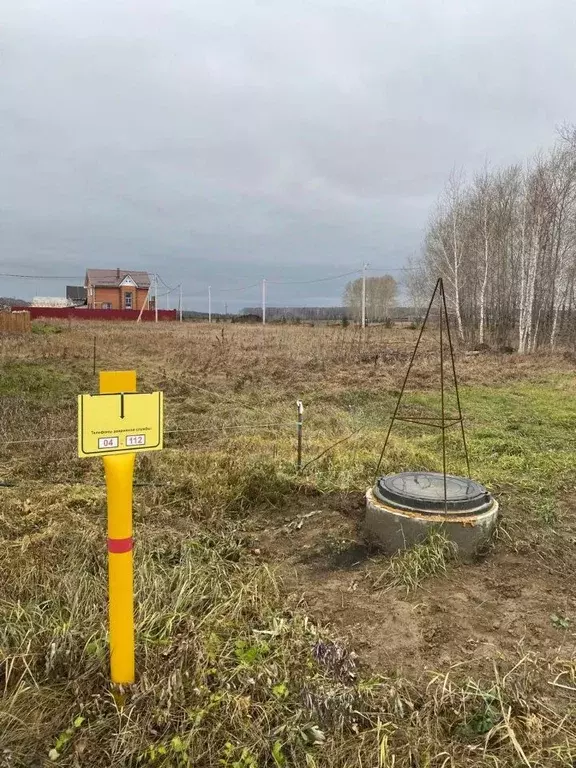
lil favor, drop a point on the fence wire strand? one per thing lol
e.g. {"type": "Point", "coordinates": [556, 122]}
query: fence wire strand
{"type": "Point", "coordinates": [214, 429]}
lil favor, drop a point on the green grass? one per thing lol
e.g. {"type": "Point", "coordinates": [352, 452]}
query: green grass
{"type": "Point", "coordinates": [36, 380]}
{"type": "Point", "coordinates": [231, 670]}
{"type": "Point", "coordinates": [522, 437]}
{"type": "Point", "coordinates": [45, 329]}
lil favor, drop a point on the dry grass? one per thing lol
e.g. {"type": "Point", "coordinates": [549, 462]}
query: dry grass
{"type": "Point", "coordinates": [232, 670]}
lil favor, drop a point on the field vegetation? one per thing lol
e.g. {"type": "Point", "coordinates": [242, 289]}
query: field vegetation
{"type": "Point", "coordinates": [268, 634]}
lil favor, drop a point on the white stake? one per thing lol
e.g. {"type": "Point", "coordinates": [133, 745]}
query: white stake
{"type": "Point", "coordinates": [364, 268]}
{"type": "Point", "coordinates": [264, 301]}
{"type": "Point", "coordinates": [155, 298]}
{"type": "Point", "coordinates": [300, 408]}
{"type": "Point", "coordinates": [209, 303]}
{"type": "Point", "coordinates": [180, 302]}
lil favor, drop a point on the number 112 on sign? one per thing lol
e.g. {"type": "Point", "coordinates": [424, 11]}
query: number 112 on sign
{"type": "Point", "coordinates": [135, 440]}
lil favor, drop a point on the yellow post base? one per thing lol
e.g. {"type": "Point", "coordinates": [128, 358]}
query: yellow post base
{"type": "Point", "coordinates": [119, 474]}
{"type": "Point", "coordinates": [119, 478]}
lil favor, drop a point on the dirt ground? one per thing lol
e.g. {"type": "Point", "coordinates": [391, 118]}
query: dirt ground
{"type": "Point", "coordinates": [498, 608]}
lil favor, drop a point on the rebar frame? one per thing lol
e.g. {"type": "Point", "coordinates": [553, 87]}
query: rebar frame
{"type": "Point", "coordinates": [443, 422]}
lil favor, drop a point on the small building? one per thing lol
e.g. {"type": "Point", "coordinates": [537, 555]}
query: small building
{"type": "Point", "coordinates": [50, 301]}
{"type": "Point", "coordinates": [76, 294]}
{"type": "Point", "coordinates": [118, 289]}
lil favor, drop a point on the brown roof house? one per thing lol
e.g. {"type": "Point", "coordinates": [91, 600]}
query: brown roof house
{"type": "Point", "coordinates": [118, 289]}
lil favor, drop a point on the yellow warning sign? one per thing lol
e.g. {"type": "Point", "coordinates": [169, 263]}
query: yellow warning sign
{"type": "Point", "coordinates": [127, 422]}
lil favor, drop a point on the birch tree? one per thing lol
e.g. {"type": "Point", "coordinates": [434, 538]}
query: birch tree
{"type": "Point", "coordinates": [444, 243]}
{"type": "Point", "coordinates": [505, 245]}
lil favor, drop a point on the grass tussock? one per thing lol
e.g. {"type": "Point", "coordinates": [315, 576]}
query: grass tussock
{"type": "Point", "coordinates": [410, 568]}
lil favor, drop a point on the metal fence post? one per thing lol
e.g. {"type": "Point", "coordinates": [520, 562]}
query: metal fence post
{"type": "Point", "coordinates": [300, 407]}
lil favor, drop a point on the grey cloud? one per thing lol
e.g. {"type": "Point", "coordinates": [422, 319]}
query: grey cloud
{"type": "Point", "coordinates": [224, 140]}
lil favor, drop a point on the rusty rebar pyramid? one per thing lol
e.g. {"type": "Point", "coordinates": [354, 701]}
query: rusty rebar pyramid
{"type": "Point", "coordinates": [442, 422]}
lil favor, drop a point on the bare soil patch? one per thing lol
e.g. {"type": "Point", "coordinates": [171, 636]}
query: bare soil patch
{"type": "Point", "coordinates": [479, 613]}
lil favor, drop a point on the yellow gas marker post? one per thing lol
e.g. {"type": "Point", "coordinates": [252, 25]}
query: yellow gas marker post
{"type": "Point", "coordinates": [117, 424]}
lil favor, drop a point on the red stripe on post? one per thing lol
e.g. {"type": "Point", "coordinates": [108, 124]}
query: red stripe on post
{"type": "Point", "coordinates": [119, 546]}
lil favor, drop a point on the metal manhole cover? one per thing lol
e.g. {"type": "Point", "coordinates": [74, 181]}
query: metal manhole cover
{"type": "Point", "coordinates": [424, 492]}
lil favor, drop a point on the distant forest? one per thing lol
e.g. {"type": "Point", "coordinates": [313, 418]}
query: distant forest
{"type": "Point", "coordinates": [300, 313]}
{"type": "Point", "coordinates": [318, 313]}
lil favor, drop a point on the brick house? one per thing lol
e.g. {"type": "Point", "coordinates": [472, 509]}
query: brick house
{"type": "Point", "coordinates": [117, 289]}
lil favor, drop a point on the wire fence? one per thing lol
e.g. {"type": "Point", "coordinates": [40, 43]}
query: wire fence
{"type": "Point", "coordinates": [216, 429]}
{"type": "Point", "coordinates": [222, 429]}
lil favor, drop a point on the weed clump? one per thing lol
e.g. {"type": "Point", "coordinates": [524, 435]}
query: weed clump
{"type": "Point", "coordinates": [409, 568]}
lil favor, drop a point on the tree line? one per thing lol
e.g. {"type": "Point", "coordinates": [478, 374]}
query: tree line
{"type": "Point", "coordinates": [297, 313]}
{"type": "Point", "coordinates": [381, 297]}
{"type": "Point", "coordinates": [505, 244]}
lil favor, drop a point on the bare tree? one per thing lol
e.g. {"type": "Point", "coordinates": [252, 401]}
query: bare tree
{"type": "Point", "coordinates": [381, 293]}
{"type": "Point", "coordinates": [445, 241]}
{"type": "Point", "coordinates": [485, 200]}
{"type": "Point", "coordinates": [506, 247]}
{"type": "Point", "coordinates": [419, 284]}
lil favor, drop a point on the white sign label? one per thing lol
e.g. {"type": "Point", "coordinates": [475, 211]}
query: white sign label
{"type": "Point", "coordinates": [107, 442]}
{"type": "Point", "coordinates": [135, 440]}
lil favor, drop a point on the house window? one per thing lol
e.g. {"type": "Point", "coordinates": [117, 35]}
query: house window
{"type": "Point", "coordinates": [128, 300]}
{"type": "Point", "coordinates": [106, 305]}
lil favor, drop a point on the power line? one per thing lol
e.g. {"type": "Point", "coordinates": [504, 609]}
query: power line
{"type": "Point", "coordinates": [289, 282]}
{"type": "Point", "coordinates": [318, 280]}
{"type": "Point", "coordinates": [43, 277]}
{"type": "Point", "coordinates": [224, 290]}
{"type": "Point", "coordinates": [166, 285]}
{"type": "Point", "coordinates": [243, 288]}
{"type": "Point", "coordinates": [310, 282]}
{"type": "Point", "coordinates": [236, 290]}
{"type": "Point", "coordinates": [167, 293]}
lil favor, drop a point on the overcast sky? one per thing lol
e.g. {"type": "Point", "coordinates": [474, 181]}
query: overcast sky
{"type": "Point", "coordinates": [223, 141]}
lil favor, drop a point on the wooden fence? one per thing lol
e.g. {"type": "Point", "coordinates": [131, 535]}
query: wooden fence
{"type": "Point", "coordinates": [15, 322]}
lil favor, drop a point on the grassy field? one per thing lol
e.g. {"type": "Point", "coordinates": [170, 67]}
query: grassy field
{"type": "Point", "coordinates": [268, 634]}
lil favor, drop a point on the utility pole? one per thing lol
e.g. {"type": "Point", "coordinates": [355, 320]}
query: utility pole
{"type": "Point", "coordinates": [209, 303]}
{"type": "Point", "coordinates": [180, 302]}
{"type": "Point", "coordinates": [364, 268]}
{"type": "Point", "coordinates": [155, 298]}
{"type": "Point", "coordinates": [263, 301]}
